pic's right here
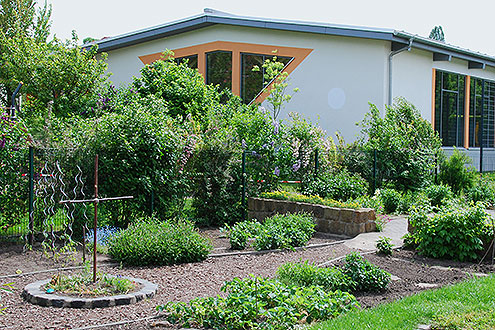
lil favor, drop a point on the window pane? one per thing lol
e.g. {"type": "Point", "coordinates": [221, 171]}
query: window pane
{"type": "Point", "coordinates": [219, 69]}
{"type": "Point", "coordinates": [253, 82]}
{"type": "Point", "coordinates": [449, 108]}
{"type": "Point", "coordinates": [475, 113]}
{"type": "Point", "coordinates": [192, 61]}
{"type": "Point", "coordinates": [489, 115]}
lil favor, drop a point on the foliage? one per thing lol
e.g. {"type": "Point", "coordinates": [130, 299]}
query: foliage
{"type": "Point", "coordinates": [103, 235]}
{"type": "Point", "coordinates": [277, 84]}
{"type": "Point", "coordinates": [406, 144]}
{"type": "Point", "coordinates": [381, 220]}
{"type": "Point", "coordinates": [182, 88]}
{"type": "Point", "coordinates": [482, 191]}
{"type": "Point", "coordinates": [391, 199]}
{"type": "Point", "coordinates": [384, 245]}
{"type": "Point", "coordinates": [453, 233]}
{"type": "Point", "coordinates": [284, 195]}
{"type": "Point", "coordinates": [154, 242]}
{"type": "Point", "coordinates": [367, 276]}
{"type": "Point", "coordinates": [437, 194]}
{"type": "Point", "coordinates": [240, 232]}
{"type": "Point", "coordinates": [259, 303]}
{"type": "Point", "coordinates": [285, 231]}
{"type": "Point", "coordinates": [81, 284]}
{"type": "Point", "coordinates": [13, 163]}
{"type": "Point", "coordinates": [341, 185]}
{"type": "Point", "coordinates": [306, 274]}
{"type": "Point", "coordinates": [456, 172]}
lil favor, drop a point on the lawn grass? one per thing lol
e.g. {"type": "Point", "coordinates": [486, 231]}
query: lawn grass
{"type": "Point", "coordinates": [474, 295]}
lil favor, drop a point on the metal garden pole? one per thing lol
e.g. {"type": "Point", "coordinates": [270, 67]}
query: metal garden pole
{"type": "Point", "coordinates": [317, 162]}
{"type": "Point", "coordinates": [374, 171]}
{"type": "Point", "coordinates": [482, 123]}
{"type": "Point", "coordinates": [31, 196]}
{"type": "Point", "coordinates": [243, 198]}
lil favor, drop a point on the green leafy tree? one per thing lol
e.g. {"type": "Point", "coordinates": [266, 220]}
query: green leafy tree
{"type": "Point", "coordinates": [405, 142]}
{"type": "Point", "coordinates": [277, 82]}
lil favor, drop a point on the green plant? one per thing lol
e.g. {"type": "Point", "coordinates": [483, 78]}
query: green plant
{"type": "Point", "coordinates": [285, 231]}
{"type": "Point", "coordinates": [405, 143]}
{"type": "Point", "coordinates": [367, 276]}
{"type": "Point", "coordinates": [81, 284]}
{"type": "Point", "coordinates": [467, 320]}
{"type": "Point", "coordinates": [285, 195]}
{"type": "Point", "coordinates": [340, 185]}
{"type": "Point", "coordinates": [482, 191]}
{"type": "Point", "coordinates": [391, 199]}
{"type": "Point", "coordinates": [384, 245]}
{"type": "Point", "coordinates": [437, 194]}
{"type": "Point", "coordinates": [306, 274]}
{"type": "Point", "coordinates": [454, 233]}
{"type": "Point", "coordinates": [240, 232]}
{"type": "Point", "coordinates": [154, 242]}
{"type": "Point", "coordinates": [456, 172]}
{"type": "Point", "coordinates": [260, 303]}
{"type": "Point", "coordinates": [380, 221]}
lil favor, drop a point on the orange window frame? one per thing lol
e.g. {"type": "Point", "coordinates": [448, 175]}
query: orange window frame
{"type": "Point", "coordinates": [298, 55]}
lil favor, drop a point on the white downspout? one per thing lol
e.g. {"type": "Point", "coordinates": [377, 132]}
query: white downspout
{"type": "Point", "coordinates": [392, 54]}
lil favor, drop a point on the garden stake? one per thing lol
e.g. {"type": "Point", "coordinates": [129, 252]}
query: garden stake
{"type": "Point", "coordinates": [95, 201]}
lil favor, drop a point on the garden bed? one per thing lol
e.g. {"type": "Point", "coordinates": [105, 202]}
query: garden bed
{"type": "Point", "coordinates": [188, 281]}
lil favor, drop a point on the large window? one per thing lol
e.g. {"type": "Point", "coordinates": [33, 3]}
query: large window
{"type": "Point", "coordinates": [219, 69]}
{"type": "Point", "coordinates": [253, 82]}
{"type": "Point", "coordinates": [481, 107]}
{"type": "Point", "coordinates": [449, 108]}
{"type": "Point", "coordinates": [191, 61]}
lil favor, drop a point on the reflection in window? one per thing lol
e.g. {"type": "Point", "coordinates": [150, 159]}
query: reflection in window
{"type": "Point", "coordinates": [219, 69]}
{"type": "Point", "coordinates": [253, 82]}
{"type": "Point", "coordinates": [449, 108]}
{"type": "Point", "coordinates": [476, 111]}
{"type": "Point", "coordinates": [191, 61]}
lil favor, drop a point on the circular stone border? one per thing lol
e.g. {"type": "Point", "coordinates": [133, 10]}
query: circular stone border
{"type": "Point", "coordinates": [33, 294]}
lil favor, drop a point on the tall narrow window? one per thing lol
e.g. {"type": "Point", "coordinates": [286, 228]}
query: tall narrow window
{"type": "Point", "coordinates": [191, 61]}
{"type": "Point", "coordinates": [253, 82]}
{"type": "Point", "coordinates": [449, 108]}
{"type": "Point", "coordinates": [219, 69]}
{"type": "Point", "coordinates": [482, 107]}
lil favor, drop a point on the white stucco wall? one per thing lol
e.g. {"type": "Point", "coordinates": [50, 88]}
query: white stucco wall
{"type": "Point", "coordinates": [336, 81]}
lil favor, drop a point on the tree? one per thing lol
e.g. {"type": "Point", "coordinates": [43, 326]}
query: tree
{"type": "Point", "coordinates": [437, 34]}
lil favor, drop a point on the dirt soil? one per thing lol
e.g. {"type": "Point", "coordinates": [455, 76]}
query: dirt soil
{"type": "Point", "coordinates": [187, 281]}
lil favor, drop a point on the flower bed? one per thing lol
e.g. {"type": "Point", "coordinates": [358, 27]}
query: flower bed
{"type": "Point", "coordinates": [342, 221]}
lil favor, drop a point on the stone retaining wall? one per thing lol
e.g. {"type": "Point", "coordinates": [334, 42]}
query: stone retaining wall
{"type": "Point", "coordinates": [350, 222]}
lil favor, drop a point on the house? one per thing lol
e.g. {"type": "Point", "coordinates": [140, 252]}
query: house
{"type": "Point", "coordinates": [339, 69]}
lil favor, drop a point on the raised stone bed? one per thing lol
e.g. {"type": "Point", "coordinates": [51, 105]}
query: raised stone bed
{"type": "Point", "coordinates": [35, 295]}
{"type": "Point", "coordinates": [350, 222]}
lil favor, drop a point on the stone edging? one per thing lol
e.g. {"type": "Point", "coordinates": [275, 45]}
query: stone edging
{"type": "Point", "coordinates": [33, 294]}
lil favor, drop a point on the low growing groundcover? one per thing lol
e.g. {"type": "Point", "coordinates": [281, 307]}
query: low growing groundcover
{"type": "Point", "coordinates": [472, 297]}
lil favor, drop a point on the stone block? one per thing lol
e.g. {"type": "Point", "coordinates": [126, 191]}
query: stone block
{"type": "Point", "coordinates": [351, 229]}
{"type": "Point", "coordinates": [269, 205]}
{"type": "Point", "coordinates": [336, 227]}
{"type": "Point", "coordinates": [331, 213]}
{"type": "Point", "coordinates": [259, 204]}
{"type": "Point", "coordinates": [318, 211]}
{"type": "Point", "coordinates": [322, 225]}
{"type": "Point", "coordinates": [370, 226]}
{"type": "Point", "coordinates": [348, 215]}
{"type": "Point", "coordinates": [251, 203]}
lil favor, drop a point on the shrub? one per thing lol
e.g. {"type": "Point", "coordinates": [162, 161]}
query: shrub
{"type": "Point", "coordinates": [341, 185]}
{"type": "Point", "coordinates": [456, 172]}
{"type": "Point", "coordinates": [103, 236]}
{"type": "Point", "coordinates": [295, 197]}
{"type": "Point", "coordinates": [259, 303]}
{"type": "Point", "coordinates": [367, 276]}
{"type": "Point", "coordinates": [391, 199]}
{"type": "Point", "coordinates": [438, 193]}
{"type": "Point", "coordinates": [285, 231]}
{"type": "Point", "coordinates": [239, 233]}
{"type": "Point", "coordinates": [452, 233]}
{"type": "Point", "coordinates": [384, 245]}
{"type": "Point", "coordinates": [482, 191]}
{"type": "Point", "coordinates": [405, 142]}
{"type": "Point", "coordinates": [151, 242]}
{"type": "Point", "coordinates": [306, 274]}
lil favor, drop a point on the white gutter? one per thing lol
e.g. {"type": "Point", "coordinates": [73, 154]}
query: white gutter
{"type": "Point", "coordinates": [392, 54]}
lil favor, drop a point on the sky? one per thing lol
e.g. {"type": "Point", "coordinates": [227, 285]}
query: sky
{"type": "Point", "coordinates": [466, 24]}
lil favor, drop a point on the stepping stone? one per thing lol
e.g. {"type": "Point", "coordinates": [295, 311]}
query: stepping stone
{"type": "Point", "coordinates": [424, 327]}
{"type": "Point", "coordinates": [394, 278]}
{"type": "Point", "coordinates": [427, 286]}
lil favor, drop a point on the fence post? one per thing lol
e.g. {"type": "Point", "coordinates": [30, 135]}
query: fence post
{"type": "Point", "coordinates": [243, 198]}
{"type": "Point", "coordinates": [152, 202]}
{"type": "Point", "coordinates": [374, 171]}
{"type": "Point", "coordinates": [31, 196]}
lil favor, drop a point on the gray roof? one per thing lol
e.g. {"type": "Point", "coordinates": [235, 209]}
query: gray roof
{"type": "Point", "coordinates": [211, 17]}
